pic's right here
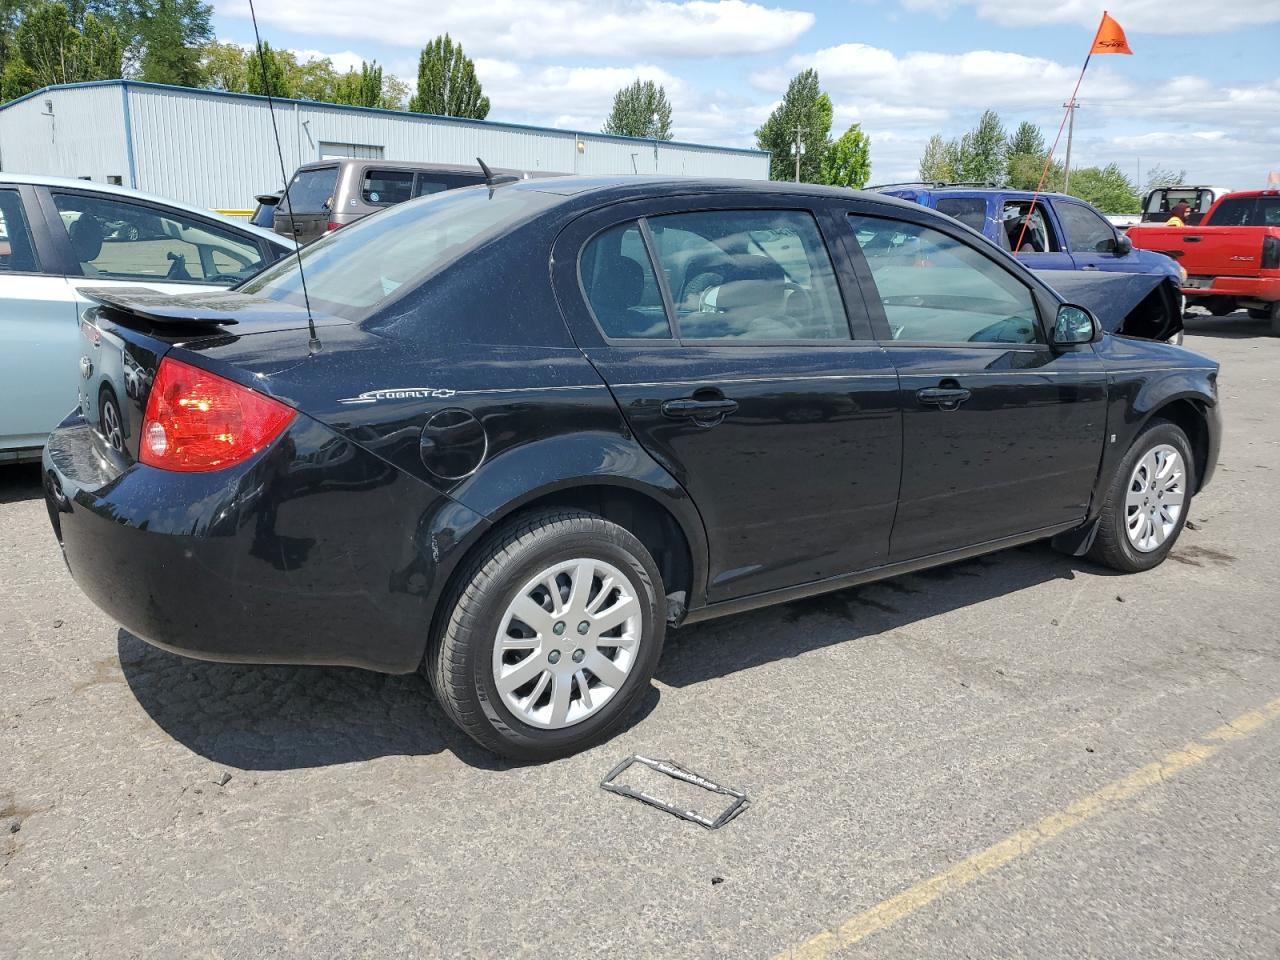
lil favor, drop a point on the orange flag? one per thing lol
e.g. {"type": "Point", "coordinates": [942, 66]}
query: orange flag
{"type": "Point", "coordinates": [1110, 37]}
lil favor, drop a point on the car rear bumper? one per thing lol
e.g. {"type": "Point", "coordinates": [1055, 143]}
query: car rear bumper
{"type": "Point", "coordinates": [1249, 288]}
{"type": "Point", "coordinates": [314, 551]}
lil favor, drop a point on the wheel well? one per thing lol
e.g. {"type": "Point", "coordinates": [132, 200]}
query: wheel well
{"type": "Point", "coordinates": [1190, 416]}
{"type": "Point", "coordinates": [646, 519]}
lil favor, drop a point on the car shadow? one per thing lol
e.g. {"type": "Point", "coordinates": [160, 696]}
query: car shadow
{"type": "Point", "coordinates": [20, 481]}
{"type": "Point", "coordinates": [1234, 326]}
{"type": "Point", "coordinates": [293, 717]}
{"type": "Point", "coordinates": [721, 647]}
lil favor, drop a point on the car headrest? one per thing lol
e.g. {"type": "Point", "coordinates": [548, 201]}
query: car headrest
{"type": "Point", "coordinates": [620, 284]}
{"type": "Point", "coordinates": [86, 237]}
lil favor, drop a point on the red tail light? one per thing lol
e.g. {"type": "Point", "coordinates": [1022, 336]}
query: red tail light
{"type": "Point", "coordinates": [333, 225]}
{"type": "Point", "coordinates": [196, 421]}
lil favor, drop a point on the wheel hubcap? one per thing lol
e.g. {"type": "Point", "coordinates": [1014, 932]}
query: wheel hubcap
{"type": "Point", "coordinates": [549, 676]}
{"type": "Point", "coordinates": [1155, 498]}
{"type": "Point", "coordinates": [111, 425]}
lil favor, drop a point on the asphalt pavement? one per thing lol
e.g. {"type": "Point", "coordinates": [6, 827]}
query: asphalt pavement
{"type": "Point", "coordinates": [1021, 755]}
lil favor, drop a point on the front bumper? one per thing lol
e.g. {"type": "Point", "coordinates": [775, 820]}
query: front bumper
{"type": "Point", "coordinates": [314, 551]}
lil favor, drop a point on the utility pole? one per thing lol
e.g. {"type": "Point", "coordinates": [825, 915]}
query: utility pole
{"type": "Point", "coordinates": [799, 149]}
{"type": "Point", "coordinates": [1072, 107]}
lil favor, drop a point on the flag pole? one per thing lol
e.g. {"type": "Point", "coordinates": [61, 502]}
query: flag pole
{"type": "Point", "coordinates": [1048, 160]}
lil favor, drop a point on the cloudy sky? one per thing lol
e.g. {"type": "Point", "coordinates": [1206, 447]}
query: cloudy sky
{"type": "Point", "coordinates": [1202, 92]}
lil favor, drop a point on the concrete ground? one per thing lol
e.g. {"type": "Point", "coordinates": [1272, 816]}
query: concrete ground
{"type": "Point", "coordinates": [1022, 755]}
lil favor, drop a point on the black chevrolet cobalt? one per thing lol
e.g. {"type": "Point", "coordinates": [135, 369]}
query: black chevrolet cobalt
{"type": "Point", "coordinates": [509, 435]}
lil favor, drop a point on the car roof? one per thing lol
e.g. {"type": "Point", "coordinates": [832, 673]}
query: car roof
{"type": "Point", "coordinates": [608, 188]}
{"type": "Point", "coordinates": [71, 183]}
{"type": "Point", "coordinates": [472, 170]}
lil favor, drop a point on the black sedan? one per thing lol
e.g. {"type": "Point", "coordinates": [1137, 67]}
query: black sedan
{"type": "Point", "coordinates": [508, 435]}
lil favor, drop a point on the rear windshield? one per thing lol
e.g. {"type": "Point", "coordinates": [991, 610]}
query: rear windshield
{"type": "Point", "coordinates": [310, 190]}
{"type": "Point", "coordinates": [353, 271]}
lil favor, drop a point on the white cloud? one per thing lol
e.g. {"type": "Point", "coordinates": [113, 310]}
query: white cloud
{"type": "Point", "coordinates": [1139, 16]}
{"type": "Point", "coordinates": [539, 29]}
{"type": "Point", "coordinates": [342, 62]}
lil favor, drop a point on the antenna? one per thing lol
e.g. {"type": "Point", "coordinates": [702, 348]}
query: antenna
{"type": "Point", "coordinates": [495, 179]}
{"type": "Point", "coordinates": [314, 343]}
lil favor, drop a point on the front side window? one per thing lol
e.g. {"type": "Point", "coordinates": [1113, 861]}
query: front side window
{"type": "Point", "coordinates": [17, 253]}
{"type": "Point", "coordinates": [1086, 231]}
{"type": "Point", "coordinates": [749, 275]}
{"type": "Point", "coordinates": [971, 211]}
{"type": "Point", "coordinates": [936, 289]}
{"type": "Point", "coordinates": [1028, 230]}
{"type": "Point", "coordinates": [118, 240]}
{"type": "Point", "coordinates": [618, 279]}
{"type": "Point", "coordinates": [385, 187]}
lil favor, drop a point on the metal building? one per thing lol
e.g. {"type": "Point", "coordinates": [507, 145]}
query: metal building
{"type": "Point", "coordinates": [217, 149]}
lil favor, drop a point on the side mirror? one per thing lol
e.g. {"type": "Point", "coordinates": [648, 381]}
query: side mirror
{"type": "Point", "coordinates": [1123, 246]}
{"type": "Point", "coordinates": [1074, 325]}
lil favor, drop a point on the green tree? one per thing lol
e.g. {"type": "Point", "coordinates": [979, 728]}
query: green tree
{"type": "Point", "coordinates": [939, 161]}
{"type": "Point", "coordinates": [1107, 188]}
{"type": "Point", "coordinates": [48, 48]}
{"type": "Point", "coordinates": [806, 107]}
{"type": "Point", "coordinates": [266, 73]}
{"type": "Point", "coordinates": [360, 88]}
{"type": "Point", "coordinates": [640, 110]}
{"type": "Point", "coordinates": [1027, 140]}
{"type": "Point", "coordinates": [981, 157]}
{"type": "Point", "coordinates": [847, 162]}
{"type": "Point", "coordinates": [167, 39]}
{"type": "Point", "coordinates": [225, 66]}
{"type": "Point", "coordinates": [447, 84]}
{"type": "Point", "coordinates": [1025, 170]}
{"type": "Point", "coordinates": [1159, 176]}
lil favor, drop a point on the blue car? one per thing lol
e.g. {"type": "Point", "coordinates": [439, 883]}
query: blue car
{"type": "Point", "coordinates": [1058, 236]}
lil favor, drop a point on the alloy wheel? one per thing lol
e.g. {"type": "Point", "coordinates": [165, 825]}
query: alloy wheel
{"type": "Point", "coordinates": [1155, 498]}
{"type": "Point", "coordinates": [567, 643]}
{"type": "Point", "coordinates": [111, 428]}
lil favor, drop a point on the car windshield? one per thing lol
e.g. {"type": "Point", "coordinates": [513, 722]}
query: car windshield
{"type": "Point", "coordinates": [353, 271]}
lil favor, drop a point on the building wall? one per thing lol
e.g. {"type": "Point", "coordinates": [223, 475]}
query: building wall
{"type": "Point", "coordinates": [219, 151]}
{"type": "Point", "coordinates": [67, 133]}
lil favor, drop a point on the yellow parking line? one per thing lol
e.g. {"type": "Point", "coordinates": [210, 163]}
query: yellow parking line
{"type": "Point", "coordinates": [890, 911]}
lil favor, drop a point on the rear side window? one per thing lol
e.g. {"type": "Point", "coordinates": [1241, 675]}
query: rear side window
{"type": "Point", "coordinates": [971, 211]}
{"type": "Point", "coordinates": [936, 289]}
{"type": "Point", "coordinates": [1086, 231]}
{"type": "Point", "coordinates": [17, 253]}
{"type": "Point", "coordinates": [621, 286]}
{"type": "Point", "coordinates": [118, 240]}
{"type": "Point", "coordinates": [435, 183]}
{"type": "Point", "coordinates": [385, 187]}
{"type": "Point", "coordinates": [310, 191]}
{"type": "Point", "coordinates": [750, 275]}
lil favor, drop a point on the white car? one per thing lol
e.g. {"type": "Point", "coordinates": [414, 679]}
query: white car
{"type": "Point", "coordinates": [58, 236]}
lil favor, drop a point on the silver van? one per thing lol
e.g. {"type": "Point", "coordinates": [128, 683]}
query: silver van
{"type": "Point", "coordinates": [329, 194]}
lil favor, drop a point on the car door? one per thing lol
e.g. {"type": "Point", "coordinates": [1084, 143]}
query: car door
{"type": "Point", "coordinates": [1002, 435]}
{"type": "Point", "coordinates": [1091, 238]}
{"type": "Point", "coordinates": [744, 365]}
{"type": "Point", "coordinates": [38, 328]}
{"type": "Point", "coordinates": [108, 240]}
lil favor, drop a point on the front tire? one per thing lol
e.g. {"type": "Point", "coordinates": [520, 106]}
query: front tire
{"type": "Point", "coordinates": [550, 636]}
{"type": "Point", "coordinates": [1147, 503]}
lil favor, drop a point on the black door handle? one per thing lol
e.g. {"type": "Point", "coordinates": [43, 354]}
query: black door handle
{"type": "Point", "coordinates": [687, 408]}
{"type": "Point", "coordinates": [1193, 239]}
{"type": "Point", "coordinates": [948, 398]}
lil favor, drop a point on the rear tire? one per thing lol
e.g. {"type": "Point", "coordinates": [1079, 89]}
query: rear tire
{"type": "Point", "coordinates": [564, 685]}
{"type": "Point", "coordinates": [1259, 313]}
{"type": "Point", "coordinates": [1136, 528]}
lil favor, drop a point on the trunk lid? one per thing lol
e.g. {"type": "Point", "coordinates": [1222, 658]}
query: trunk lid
{"type": "Point", "coordinates": [124, 338]}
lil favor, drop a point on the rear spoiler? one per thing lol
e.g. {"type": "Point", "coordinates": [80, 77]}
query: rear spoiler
{"type": "Point", "coordinates": [206, 312]}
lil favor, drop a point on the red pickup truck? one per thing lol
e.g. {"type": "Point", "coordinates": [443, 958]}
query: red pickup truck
{"type": "Point", "coordinates": [1232, 256]}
